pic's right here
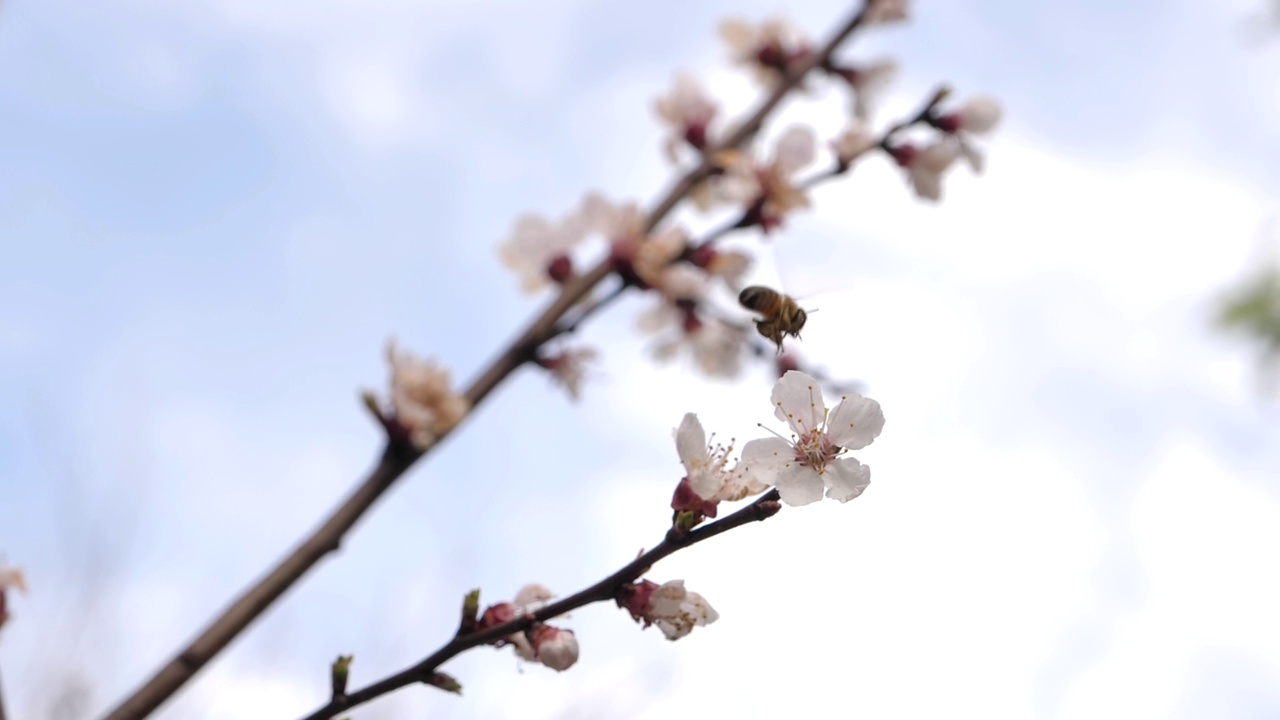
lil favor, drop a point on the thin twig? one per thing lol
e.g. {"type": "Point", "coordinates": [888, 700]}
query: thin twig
{"type": "Point", "coordinates": [397, 458]}
{"type": "Point", "coordinates": [764, 507]}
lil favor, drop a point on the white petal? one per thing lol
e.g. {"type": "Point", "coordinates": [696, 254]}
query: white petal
{"type": "Point", "coordinates": [737, 34]}
{"type": "Point", "coordinates": [691, 442]}
{"type": "Point", "coordinates": [798, 485]}
{"type": "Point", "coordinates": [532, 596]}
{"type": "Point", "coordinates": [927, 183]}
{"type": "Point", "coordinates": [855, 422]}
{"type": "Point", "coordinates": [796, 149]}
{"type": "Point", "coordinates": [598, 213]}
{"type": "Point", "coordinates": [766, 458]}
{"type": "Point", "coordinates": [797, 400]}
{"type": "Point", "coordinates": [980, 115]}
{"type": "Point", "coordinates": [846, 478]}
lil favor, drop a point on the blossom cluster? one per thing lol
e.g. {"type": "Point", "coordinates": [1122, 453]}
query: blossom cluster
{"type": "Point", "coordinates": [423, 406]}
{"type": "Point", "coordinates": [812, 460]}
{"type": "Point", "coordinates": [761, 187]}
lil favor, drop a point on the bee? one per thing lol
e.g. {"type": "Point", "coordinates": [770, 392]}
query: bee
{"type": "Point", "coordinates": [782, 316]}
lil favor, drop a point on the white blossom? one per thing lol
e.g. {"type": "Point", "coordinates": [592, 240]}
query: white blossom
{"type": "Point", "coordinates": [687, 111]}
{"type": "Point", "coordinates": [707, 465]}
{"type": "Point", "coordinates": [717, 347]}
{"type": "Point", "coordinates": [926, 166]}
{"type": "Point", "coordinates": [855, 141]}
{"type": "Point", "coordinates": [555, 647]}
{"type": "Point", "coordinates": [535, 244]}
{"type": "Point", "coordinates": [568, 368]}
{"type": "Point", "coordinates": [869, 84]}
{"type": "Point", "coordinates": [11, 578]}
{"type": "Point", "coordinates": [772, 186]}
{"type": "Point", "coordinates": [767, 48]}
{"type": "Point", "coordinates": [421, 399]}
{"type": "Point", "coordinates": [813, 459]}
{"type": "Point", "coordinates": [977, 116]}
{"type": "Point", "coordinates": [532, 597]}
{"type": "Point", "coordinates": [676, 611]}
{"type": "Point", "coordinates": [704, 464]}
{"type": "Point", "coordinates": [880, 12]}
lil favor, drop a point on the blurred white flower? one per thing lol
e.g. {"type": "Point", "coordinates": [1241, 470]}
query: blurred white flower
{"type": "Point", "coordinates": [717, 347]}
{"type": "Point", "coordinates": [677, 611]}
{"type": "Point", "coordinates": [868, 83]}
{"type": "Point", "coordinates": [532, 597]}
{"type": "Point", "coordinates": [538, 249]}
{"type": "Point", "coordinates": [813, 459]}
{"type": "Point", "coordinates": [926, 166]}
{"type": "Point", "coordinates": [879, 12]}
{"type": "Point", "coordinates": [422, 402]}
{"type": "Point", "coordinates": [688, 113]}
{"type": "Point", "coordinates": [978, 116]}
{"type": "Point", "coordinates": [767, 193]}
{"type": "Point", "coordinates": [731, 266]}
{"type": "Point", "coordinates": [768, 49]}
{"type": "Point", "coordinates": [855, 141]}
{"type": "Point", "coordinates": [568, 367]}
{"type": "Point", "coordinates": [602, 216]}
{"type": "Point", "coordinates": [554, 647]}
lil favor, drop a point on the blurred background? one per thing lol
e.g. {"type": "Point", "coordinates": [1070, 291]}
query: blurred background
{"type": "Point", "coordinates": [213, 215]}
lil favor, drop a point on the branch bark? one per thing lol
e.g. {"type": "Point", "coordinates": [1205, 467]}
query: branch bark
{"type": "Point", "coordinates": [396, 459]}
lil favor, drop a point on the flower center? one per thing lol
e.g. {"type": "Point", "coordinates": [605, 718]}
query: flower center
{"type": "Point", "coordinates": [815, 450]}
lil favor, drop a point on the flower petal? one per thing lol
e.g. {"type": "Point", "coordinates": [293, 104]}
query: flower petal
{"type": "Point", "coordinates": [795, 149]}
{"type": "Point", "coordinates": [855, 422]}
{"type": "Point", "coordinates": [691, 442]}
{"type": "Point", "coordinates": [798, 401]}
{"type": "Point", "coordinates": [766, 458]}
{"type": "Point", "coordinates": [846, 478]}
{"type": "Point", "coordinates": [799, 485]}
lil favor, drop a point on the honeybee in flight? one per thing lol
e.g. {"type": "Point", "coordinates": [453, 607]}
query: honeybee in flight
{"type": "Point", "coordinates": [782, 315]}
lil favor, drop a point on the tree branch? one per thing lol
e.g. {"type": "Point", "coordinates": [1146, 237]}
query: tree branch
{"type": "Point", "coordinates": [762, 508]}
{"type": "Point", "coordinates": [397, 458]}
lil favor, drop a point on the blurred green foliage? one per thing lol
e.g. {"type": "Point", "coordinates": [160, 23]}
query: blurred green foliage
{"type": "Point", "coordinates": [1252, 310]}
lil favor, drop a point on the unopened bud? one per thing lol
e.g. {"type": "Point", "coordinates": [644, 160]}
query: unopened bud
{"type": "Point", "coordinates": [338, 673]}
{"type": "Point", "coordinates": [554, 647]}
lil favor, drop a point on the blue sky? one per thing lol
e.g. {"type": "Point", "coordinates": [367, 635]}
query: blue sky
{"type": "Point", "coordinates": [213, 216]}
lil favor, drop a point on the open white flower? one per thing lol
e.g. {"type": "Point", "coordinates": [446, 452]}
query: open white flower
{"type": "Point", "coordinates": [769, 190]}
{"type": "Point", "coordinates": [706, 465]}
{"type": "Point", "coordinates": [768, 48]}
{"type": "Point", "coordinates": [926, 166]}
{"type": "Point", "coordinates": [538, 249]}
{"type": "Point", "coordinates": [422, 401]}
{"type": "Point", "coordinates": [688, 112]}
{"type": "Point", "coordinates": [677, 611]}
{"type": "Point", "coordinates": [814, 457]}
{"type": "Point", "coordinates": [977, 116]}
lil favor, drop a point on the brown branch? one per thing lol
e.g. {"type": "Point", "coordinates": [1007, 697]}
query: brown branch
{"type": "Point", "coordinates": [398, 457]}
{"type": "Point", "coordinates": [764, 507]}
